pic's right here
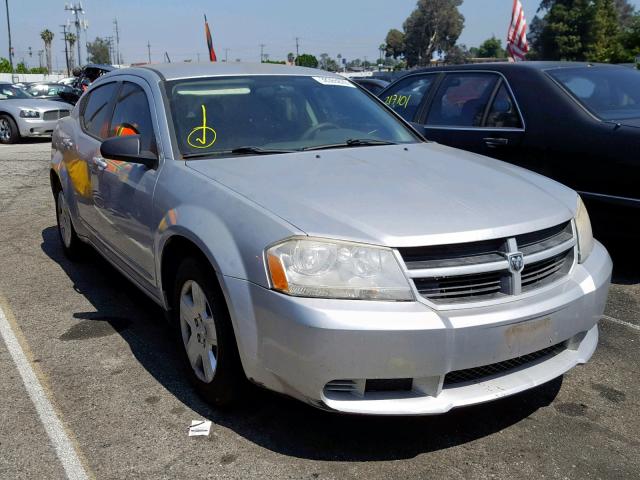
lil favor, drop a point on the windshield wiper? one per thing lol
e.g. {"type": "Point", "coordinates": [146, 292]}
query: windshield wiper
{"type": "Point", "coordinates": [238, 151]}
{"type": "Point", "coordinates": [351, 142]}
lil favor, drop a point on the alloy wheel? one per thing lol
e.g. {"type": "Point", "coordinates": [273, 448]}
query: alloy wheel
{"type": "Point", "coordinates": [5, 129]}
{"type": "Point", "coordinates": [198, 330]}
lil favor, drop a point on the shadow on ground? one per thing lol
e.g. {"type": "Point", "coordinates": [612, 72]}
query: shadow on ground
{"type": "Point", "coordinates": [272, 421]}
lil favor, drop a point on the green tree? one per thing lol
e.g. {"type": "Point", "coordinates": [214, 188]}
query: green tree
{"type": "Point", "coordinates": [71, 41]}
{"type": "Point", "coordinates": [457, 55]}
{"type": "Point", "coordinates": [630, 39]}
{"type": "Point", "coordinates": [587, 30]}
{"type": "Point", "coordinates": [21, 68]}
{"type": "Point", "coordinates": [98, 51]}
{"type": "Point", "coordinates": [491, 48]}
{"type": "Point", "coordinates": [5, 66]}
{"type": "Point", "coordinates": [433, 27]}
{"type": "Point", "coordinates": [394, 43]}
{"type": "Point", "coordinates": [307, 60]}
{"type": "Point", "coordinates": [47, 37]}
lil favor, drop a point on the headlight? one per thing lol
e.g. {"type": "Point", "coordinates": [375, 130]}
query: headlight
{"type": "Point", "coordinates": [585, 235]}
{"type": "Point", "coordinates": [333, 269]}
{"type": "Point", "coordinates": [29, 114]}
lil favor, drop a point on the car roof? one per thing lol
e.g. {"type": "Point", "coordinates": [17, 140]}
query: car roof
{"type": "Point", "coordinates": [507, 66]}
{"type": "Point", "coordinates": [174, 71]}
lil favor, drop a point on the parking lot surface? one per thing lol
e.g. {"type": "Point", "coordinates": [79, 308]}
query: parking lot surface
{"type": "Point", "coordinates": [105, 361]}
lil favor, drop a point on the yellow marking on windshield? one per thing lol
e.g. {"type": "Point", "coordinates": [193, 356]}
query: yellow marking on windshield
{"type": "Point", "coordinates": [203, 136]}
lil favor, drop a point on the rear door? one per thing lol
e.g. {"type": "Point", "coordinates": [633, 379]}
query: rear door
{"type": "Point", "coordinates": [474, 111]}
{"type": "Point", "coordinates": [95, 113]}
{"type": "Point", "coordinates": [407, 95]}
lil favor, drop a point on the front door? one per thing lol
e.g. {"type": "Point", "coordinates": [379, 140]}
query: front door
{"type": "Point", "coordinates": [125, 190]}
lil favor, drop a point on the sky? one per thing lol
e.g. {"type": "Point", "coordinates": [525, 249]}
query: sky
{"type": "Point", "coordinates": [353, 28]}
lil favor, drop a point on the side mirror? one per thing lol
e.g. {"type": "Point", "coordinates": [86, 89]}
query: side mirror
{"type": "Point", "coordinates": [127, 149]}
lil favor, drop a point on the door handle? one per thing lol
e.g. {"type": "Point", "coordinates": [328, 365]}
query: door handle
{"type": "Point", "coordinates": [99, 163]}
{"type": "Point", "coordinates": [492, 142]}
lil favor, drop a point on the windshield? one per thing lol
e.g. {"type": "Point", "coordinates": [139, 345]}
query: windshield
{"type": "Point", "coordinates": [8, 92]}
{"type": "Point", "coordinates": [283, 113]}
{"type": "Point", "coordinates": [47, 90]}
{"type": "Point", "coordinates": [611, 93]}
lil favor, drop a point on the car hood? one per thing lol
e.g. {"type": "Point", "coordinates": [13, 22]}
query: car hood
{"type": "Point", "coordinates": [40, 104]}
{"type": "Point", "coordinates": [421, 194]}
{"type": "Point", "coordinates": [628, 122]}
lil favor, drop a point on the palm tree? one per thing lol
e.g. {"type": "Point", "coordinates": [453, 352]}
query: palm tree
{"type": "Point", "coordinates": [47, 38]}
{"type": "Point", "coordinates": [71, 40]}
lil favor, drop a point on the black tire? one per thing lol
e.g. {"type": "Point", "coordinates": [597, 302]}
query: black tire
{"type": "Point", "coordinates": [229, 380]}
{"type": "Point", "coordinates": [71, 245]}
{"type": "Point", "coordinates": [9, 132]}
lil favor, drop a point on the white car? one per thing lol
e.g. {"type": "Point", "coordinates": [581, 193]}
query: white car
{"type": "Point", "coordinates": [21, 115]}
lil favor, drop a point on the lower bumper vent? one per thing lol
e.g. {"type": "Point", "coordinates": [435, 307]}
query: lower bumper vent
{"type": "Point", "coordinates": [478, 373]}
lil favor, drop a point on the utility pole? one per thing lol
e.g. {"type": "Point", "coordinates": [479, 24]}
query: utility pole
{"type": "Point", "coordinates": [76, 10]}
{"type": "Point", "coordinates": [111, 49]}
{"type": "Point", "coordinates": [115, 23]}
{"type": "Point", "coordinates": [40, 53]}
{"type": "Point", "coordinates": [198, 56]}
{"type": "Point", "coordinates": [6, 2]}
{"type": "Point", "coordinates": [262, 45]}
{"type": "Point", "coordinates": [149, 50]}
{"type": "Point", "coordinates": [66, 52]}
{"type": "Point", "coordinates": [297, 47]}
{"type": "Point", "coordinates": [226, 54]}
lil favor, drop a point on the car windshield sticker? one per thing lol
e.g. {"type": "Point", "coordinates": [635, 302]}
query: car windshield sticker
{"type": "Point", "coordinates": [339, 82]}
{"type": "Point", "coordinates": [202, 136]}
{"type": "Point", "coordinates": [397, 100]}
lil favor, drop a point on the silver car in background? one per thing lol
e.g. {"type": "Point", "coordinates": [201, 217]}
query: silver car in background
{"type": "Point", "coordinates": [302, 236]}
{"type": "Point", "coordinates": [22, 115]}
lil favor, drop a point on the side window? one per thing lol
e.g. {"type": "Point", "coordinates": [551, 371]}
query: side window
{"type": "Point", "coordinates": [461, 99]}
{"type": "Point", "coordinates": [406, 95]}
{"type": "Point", "coordinates": [95, 114]}
{"type": "Point", "coordinates": [503, 112]}
{"type": "Point", "coordinates": [132, 116]}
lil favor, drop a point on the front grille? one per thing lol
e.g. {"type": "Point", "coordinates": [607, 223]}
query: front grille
{"type": "Point", "coordinates": [55, 114]}
{"type": "Point", "coordinates": [545, 271]}
{"type": "Point", "coordinates": [464, 286]}
{"type": "Point", "coordinates": [500, 368]}
{"type": "Point", "coordinates": [480, 271]}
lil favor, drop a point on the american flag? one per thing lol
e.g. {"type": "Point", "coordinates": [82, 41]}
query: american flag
{"type": "Point", "coordinates": [517, 45]}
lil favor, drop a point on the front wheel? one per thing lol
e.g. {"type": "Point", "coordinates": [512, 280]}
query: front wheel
{"type": "Point", "coordinates": [205, 335]}
{"type": "Point", "coordinates": [9, 132]}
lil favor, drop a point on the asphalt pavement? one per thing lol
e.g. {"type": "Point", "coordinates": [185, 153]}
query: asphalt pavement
{"type": "Point", "coordinates": [104, 363]}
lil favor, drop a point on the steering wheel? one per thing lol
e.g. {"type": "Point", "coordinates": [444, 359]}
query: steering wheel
{"type": "Point", "coordinates": [316, 128]}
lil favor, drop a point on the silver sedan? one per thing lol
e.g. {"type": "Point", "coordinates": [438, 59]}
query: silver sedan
{"type": "Point", "coordinates": [21, 115]}
{"type": "Point", "coordinates": [303, 237]}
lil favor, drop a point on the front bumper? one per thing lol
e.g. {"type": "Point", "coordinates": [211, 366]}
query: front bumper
{"type": "Point", "coordinates": [35, 127]}
{"type": "Point", "coordinates": [298, 345]}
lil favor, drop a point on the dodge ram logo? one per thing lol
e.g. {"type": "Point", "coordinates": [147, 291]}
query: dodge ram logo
{"type": "Point", "coordinates": [516, 262]}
